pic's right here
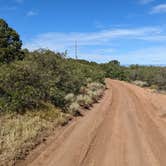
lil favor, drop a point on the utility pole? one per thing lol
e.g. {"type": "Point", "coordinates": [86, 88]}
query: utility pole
{"type": "Point", "coordinates": [76, 56]}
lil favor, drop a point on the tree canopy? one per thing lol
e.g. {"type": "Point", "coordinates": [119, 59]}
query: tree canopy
{"type": "Point", "coordinates": [10, 44]}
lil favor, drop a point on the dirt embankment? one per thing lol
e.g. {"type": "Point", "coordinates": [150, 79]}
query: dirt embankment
{"type": "Point", "coordinates": [127, 128]}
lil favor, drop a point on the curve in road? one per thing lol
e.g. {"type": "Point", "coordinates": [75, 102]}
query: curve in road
{"type": "Point", "coordinates": [125, 129]}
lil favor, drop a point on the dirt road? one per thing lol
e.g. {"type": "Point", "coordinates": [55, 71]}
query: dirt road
{"type": "Point", "coordinates": [127, 128]}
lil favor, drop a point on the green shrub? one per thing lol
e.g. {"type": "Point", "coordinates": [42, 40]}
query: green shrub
{"type": "Point", "coordinates": [114, 70]}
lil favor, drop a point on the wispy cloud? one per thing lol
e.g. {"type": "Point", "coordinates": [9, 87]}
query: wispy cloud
{"type": "Point", "coordinates": [146, 56]}
{"type": "Point", "coordinates": [159, 9]}
{"type": "Point", "coordinates": [54, 40]}
{"type": "Point", "coordinates": [8, 8]}
{"type": "Point", "coordinates": [98, 46]}
{"type": "Point", "coordinates": [32, 13]}
{"type": "Point", "coordinates": [11, 6]}
{"type": "Point", "coordinates": [149, 56]}
{"type": "Point", "coordinates": [145, 1]}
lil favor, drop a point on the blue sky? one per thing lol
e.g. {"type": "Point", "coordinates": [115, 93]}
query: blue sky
{"type": "Point", "coordinates": [131, 31]}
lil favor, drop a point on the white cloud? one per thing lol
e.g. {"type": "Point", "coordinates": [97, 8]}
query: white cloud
{"type": "Point", "coordinates": [155, 38]}
{"type": "Point", "coordinates": [32, 13]}
{"type": "Point", "coordinates": [54, 40]}
{"type": "Point", "coordinates": [146, 56]}
{"type": "Point", "coordinates": [146, 1]}
{"type": "Point", "coordinates": [105, 45]}
{"type": "Point", "coordinates": [159, 9]}
{"type": "Point", "coordinates": [149, 56]}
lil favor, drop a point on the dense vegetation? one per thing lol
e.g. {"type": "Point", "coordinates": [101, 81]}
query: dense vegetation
{"type": "Point", "coordinates": [114, 70]}
{"type": "Point", "coordinates": [154, 76]}
{"type": "Point", "coordinates": [41, 76]}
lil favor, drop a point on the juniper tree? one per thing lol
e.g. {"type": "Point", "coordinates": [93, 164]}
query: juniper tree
{"type": "Point", "coordinates": [10, 44]}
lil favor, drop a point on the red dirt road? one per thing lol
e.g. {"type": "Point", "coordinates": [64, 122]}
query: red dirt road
{"type": "Point", "coordinates": [127, 128]}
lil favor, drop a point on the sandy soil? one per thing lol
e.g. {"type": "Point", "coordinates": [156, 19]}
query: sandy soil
{"type": "Point", "coordinates": [127, 128]}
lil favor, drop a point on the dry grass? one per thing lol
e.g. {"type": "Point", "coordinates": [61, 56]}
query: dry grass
{"type": "Point", "coordinates": [74, 108]}
{"type": "Point", "coordinates": [84, 101]}
{"type": "Point", "coordinates": [19, 133]}
{"type": "Point", "coordinates": [88, 96]}
{"type": "Point", "coordinates": [140, 83]}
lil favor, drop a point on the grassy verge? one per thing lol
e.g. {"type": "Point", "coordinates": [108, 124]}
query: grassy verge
{"type": "Point", "coordinates": [21, 133]}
